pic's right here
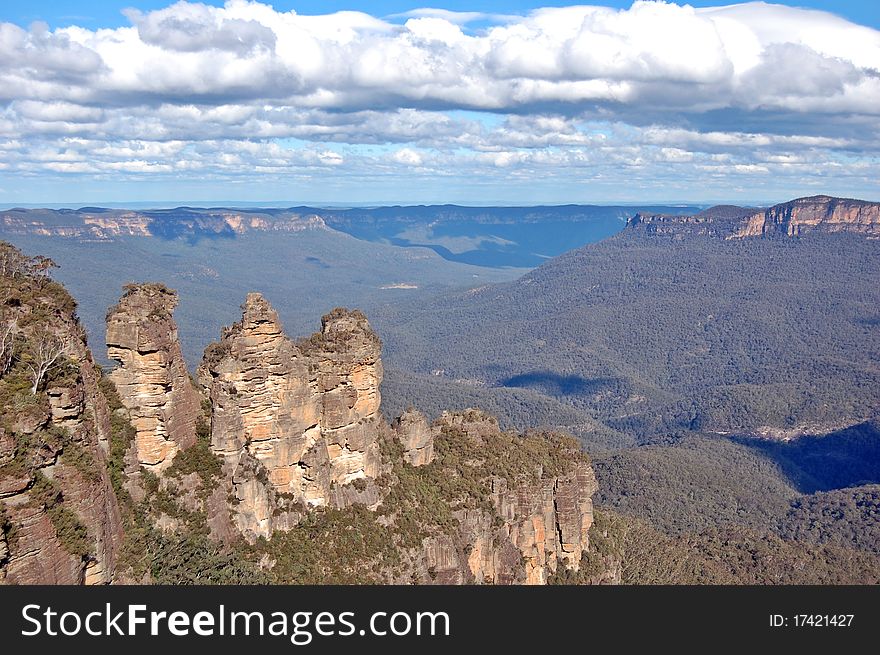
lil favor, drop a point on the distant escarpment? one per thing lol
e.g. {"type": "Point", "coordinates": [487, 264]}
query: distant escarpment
{"type": "Point", "coordinates": [102, 224]}
{"type": "Point", "coordinates": [794, 218]}
{"type": "Point", "coordinates": [272, 465]}
{"type": "Point", "coordinates": [820, 213]}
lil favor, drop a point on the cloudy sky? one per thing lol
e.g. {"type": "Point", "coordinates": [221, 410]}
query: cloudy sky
{"type": "Point", "coordinates": [501, 102]}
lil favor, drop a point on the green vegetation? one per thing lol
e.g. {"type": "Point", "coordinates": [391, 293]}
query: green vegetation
{"type": "Point", "coordinates": [715, 556]}
{"type": "Point", "coordinates": [693, 484]}
{"type": "Point", "coordinates": [849, 518]}
{"type": "Point", "coordinates": [651, 335]}
{"type": "Point", "coordinates": [332, 546]}
{"type": "Point", "coordinates": [7, 528]}
{"type": "Point", "coordinates": [78, 456]}
{"type": "Point", "coordinates": [183, 558]}
{"type": "Point", "coordinates": [122, 433]}
{"type": "Point", "coordinates": [198, 458]}
{"type": "Point", "coordinates": [843, 458]}
{"type": "Point", "coordinates": [747, 557]}
{"type": "Point", "coordinates": [71, 533]}
{"type": "Point", "coordinates": [516, 409]}
{"type": "Point", "coordinates": [422, 500]}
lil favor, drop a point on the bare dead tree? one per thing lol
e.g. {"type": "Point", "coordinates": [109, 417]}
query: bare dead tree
{"type": "Point", "coordinates": [44, 352]}
{"type": "Point", "coordinates": [8, 329]}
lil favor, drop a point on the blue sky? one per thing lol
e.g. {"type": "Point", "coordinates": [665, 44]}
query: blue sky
{"type": "Point", "coordinates": [108, 13]}
{"type": "Point", "coordinates": [507, 102]}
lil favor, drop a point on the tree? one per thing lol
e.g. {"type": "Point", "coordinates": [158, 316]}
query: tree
{"type": "Point", "coordinates": [12, 262]}
{"type": "Point", "coordinates": [8, 329]}
{"type": "Point", "coordinates": [41, 268]}
{"type": "Point", "coordinates": [44, 352]}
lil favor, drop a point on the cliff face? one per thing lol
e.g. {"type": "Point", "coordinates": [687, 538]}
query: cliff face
{"type": "Point", "coordinates": [819, 213]}
{"type": "Point", "coordinates": [297, 428]}
{"type": "Point", "coordinates": [102, 224]}
{"type": "Point", "coordinates": [539, 514]}
{"type": "Point", "coordinates": [794, 218]}
{"type": "Point", "coordinates": [416, 437]}
{"type": "Point", "coordinates": [151, 378]}
{"type": "Point", "coordinates": [59, 521]}
{"type": "Point", "coordinates": [305, 416]}
{"type": "Point", "coordinates": [669, 224]}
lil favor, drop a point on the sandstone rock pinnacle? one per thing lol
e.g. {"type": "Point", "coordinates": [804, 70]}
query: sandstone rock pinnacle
{"type": "Point", "coordinates": [151, 378]}
{"type": "Point", "coordinates": [306, 414]}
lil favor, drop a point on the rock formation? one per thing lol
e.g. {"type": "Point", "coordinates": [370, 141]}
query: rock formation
{"type": "Point", "coordinates": [104, 224]}
{"type": "Point", "coordinates": [545, 516]}
{"type": "Point", "coordinates": [296, 442]}
{"type": "Point", "coordinates": [306, 415]}
{"type": "Point", "coordinates": [151, 378]}
{"type": "Point", "coordinates": [59, 519]}
{"type": "Point", "coordinates": [416, 436]}
{"type": "Point", "coordinates": [794, 218]}
{"type": "Point", "coordinates": [819, 213]}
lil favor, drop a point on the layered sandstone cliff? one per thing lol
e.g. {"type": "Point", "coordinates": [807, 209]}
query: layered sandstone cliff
{"type": "Point", "coordinates": [282, 440]}
{"type": "Point", "coordinates": [102, 224]}
{"type": "Point", "coordinates": [292, 420]}
{"type": "Point", "coordinates": [151, 378]}
{"type": "Point", "coordinates": [794, 218]}
{"type": "Point", "coordinates": [816, 213]}
{"type": "Point", "coordinates": [59, 519]}
{"type": "Point", "coordinates": [540, 511]}
{"type": "Point", "coordinates": [416, 436]}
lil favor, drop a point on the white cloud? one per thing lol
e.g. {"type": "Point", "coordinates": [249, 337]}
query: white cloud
{"type": "Point", "coordinates": [246, 52]}
{"type": "Point", "coordinates": [407, 156]}
{"type": "Point", "coordinates": [746, 89]}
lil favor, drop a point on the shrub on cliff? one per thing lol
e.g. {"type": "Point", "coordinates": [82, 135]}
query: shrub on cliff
{"type": "Point", "coordinates": [71, 533]}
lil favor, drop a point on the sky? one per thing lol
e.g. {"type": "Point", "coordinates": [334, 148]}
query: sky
{"type": "Point", "coordinates": [473, 102]}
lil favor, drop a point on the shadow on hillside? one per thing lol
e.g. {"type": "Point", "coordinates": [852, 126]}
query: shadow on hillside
{"type": "Point", "coordinates": [556, 384]}
{"type": "Point", "coordinates": [844, 458]}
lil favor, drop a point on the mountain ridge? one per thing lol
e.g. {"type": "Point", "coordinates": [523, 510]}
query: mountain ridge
{"type": "Point", "coordinates": [820, 213]}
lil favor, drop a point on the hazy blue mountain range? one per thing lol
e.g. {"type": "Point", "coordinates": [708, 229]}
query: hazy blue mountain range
{"type": "Point", "coordinates": [307, 260]}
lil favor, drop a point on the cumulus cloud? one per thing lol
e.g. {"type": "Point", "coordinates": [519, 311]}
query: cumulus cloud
{"type": "Point", "coordinates": [408, 156]}
{"type": "Point", "coordinates": [244, 87]}
{"type": "Point", "coordinates": [580, 56]}
{"type": "Point", "coordinates": [196, 28]}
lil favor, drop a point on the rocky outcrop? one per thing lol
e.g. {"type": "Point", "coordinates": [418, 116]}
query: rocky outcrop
{"type": "Point", "coordinates": [345, 360]}
{"type": "Point", "coordinates": [816, 213]}
{"type": "Point", "coordinates": [545, 516]}
{"type": "Point", "coordinates": [794, 218]}
{"type": "Point", "coordinates": [718, 221]}
{"type": "Point", "coordinates": [416, 437]}
{"type": "Point", "coordinates": [59, 519]}
{"type": "Point", "coordinates": [151, 378]}
{"type": "Point", "coordinates": [292, 419]}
